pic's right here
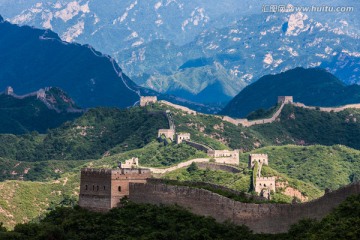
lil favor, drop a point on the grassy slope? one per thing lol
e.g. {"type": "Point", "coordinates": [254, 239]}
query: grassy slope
{"type": "Point", "coordinates": [22, 201]}
{"type": "Point", "coordinates": [297, 165]}
{"type": "Point", "coordinates": [325, 167]}
{"type": "Point", "coordinates": [89, 136]}
{"type": "Point", "coordinates": [303, 126]}
{"type": "Point", "coordinates": [290, 162]}
{"type": "Point", "coordinates": [20, 116]}
{"type": "Point", "coordinates": [36, 171]}
{"type": "Point", "coordinates": [212, 131]}
{"type": "Point", "coordinates": [241, 181]}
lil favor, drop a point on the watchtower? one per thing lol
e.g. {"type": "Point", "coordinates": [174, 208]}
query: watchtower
{"type": "Point", "coordinates": [9, 90]}
{"type": "Point", "coordinates": [146, 100]}
{"type": "Point", "coordinates": [102, 189]}
{"type": "Point", "coordinates": [259, 158]}
{"type": "Point", "coordinates": [285, 99]}
{"type": "Point", "coordinates": [182, 137]}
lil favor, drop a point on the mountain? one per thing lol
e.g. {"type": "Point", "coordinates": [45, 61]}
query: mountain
{"type": "Point", "coordinates": [33, 58]}
{"type": "Point", "coordinates": [239, 54]}
{"type": "Point", "coordinates": [38, 111]}
{"type": "Point", "coordinates": [235, 42]}
{"type": "Point", "coordinates": [313, 87]}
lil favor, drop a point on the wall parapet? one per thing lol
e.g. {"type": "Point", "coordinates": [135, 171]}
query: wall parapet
{"type": "Point", "coordinates": [261, 218]}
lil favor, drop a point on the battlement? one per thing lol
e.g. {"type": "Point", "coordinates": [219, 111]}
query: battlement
{"type": "Point", "coordinates": [146, 100]}
{"type": "Point", "coordinates": [265, 179]}
{"type": "Point", "coordinates": [285, 99]}
{"type": "Point", "coordinates": [94, 171]}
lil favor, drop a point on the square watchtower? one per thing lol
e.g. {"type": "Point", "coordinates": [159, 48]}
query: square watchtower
{"type": "Point", "coordinates": [102, 189]}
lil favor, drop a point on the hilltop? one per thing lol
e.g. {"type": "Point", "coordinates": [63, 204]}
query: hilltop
{"type": "Point", "coordinates": [313, 87]}
{"type": "Point", "coordinates": [38, 111]}
{"type": "Point", "coordinates": [33, 59]}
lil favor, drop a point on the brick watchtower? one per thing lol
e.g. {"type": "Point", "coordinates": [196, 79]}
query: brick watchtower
{"type": "Point", "coordinates": [102, 189]}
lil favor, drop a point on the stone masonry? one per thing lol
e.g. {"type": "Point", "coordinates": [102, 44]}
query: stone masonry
{"type": "Point", "coordinates": [225, 156]}
{"type": "Point", "coordinates": [261, 218]}
{"type": "Point", "coordinates": [168, 133]}
{"type": "Point", "coordinates": [259, 158]}
{"type": "Point", "coordinates": [263, 185]}
{"type": "Point", "coordinates": [102, 189]}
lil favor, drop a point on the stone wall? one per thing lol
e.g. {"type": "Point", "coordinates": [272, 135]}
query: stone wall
{"type": "Point", "coordinates": [198, 146]}
{"type": "Point", "coordinates": [266, 218]}
{"type": "Point", "coordinates": [182, 108]}
{"type": "Point", "coordinates": [328, 109]}
{"type": "Point", "coordinates": [247, 123]}
{"type": "Point", "coordinates": [206, 184]}
{"type": "Point", "coordinates": [215, 166]}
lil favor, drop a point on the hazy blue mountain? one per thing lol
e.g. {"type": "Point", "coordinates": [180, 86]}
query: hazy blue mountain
{"type": "Point", "coordinates": [33, 58]}
{"type": "Point", "coordinates": [162, 44]}
{"type": "Point", "coordinates": [237, 55]}
{"type": "Point", "coordinates": [313, 87]}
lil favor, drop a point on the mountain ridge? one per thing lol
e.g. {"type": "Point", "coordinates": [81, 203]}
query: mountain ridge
{"type": "Point", "coordinates": [313, 87]}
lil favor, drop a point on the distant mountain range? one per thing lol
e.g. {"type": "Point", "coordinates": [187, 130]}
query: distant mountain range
{"type": "Point", "coordinates": [313, 87]}
{"type": "Point", "coordinates": [32, 58]}
{"type": "Point", "coordinates": [200, 49]}
{"type": "Point", "coordinates": [38, 111]}
{"type": "Point", "coordinates": [235, 56]}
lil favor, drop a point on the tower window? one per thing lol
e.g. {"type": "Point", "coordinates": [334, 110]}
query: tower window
{"type": "Point", "coordinates": [86, 187]}
{"type": "Point", "coordinates": [119, 188]}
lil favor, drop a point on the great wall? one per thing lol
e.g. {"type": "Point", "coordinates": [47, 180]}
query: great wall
{"type": "Point", "coordinates": [42, 96]}
{"type": "Point", "coordinates": [261, 218]}
{"type": "Point", "coordinates": [282, 101]}
{"type": "Point", "coordinates": [102, 189]}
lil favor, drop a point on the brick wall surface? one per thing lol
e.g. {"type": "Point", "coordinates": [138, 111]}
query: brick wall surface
{"type": "Point", "coordinates": [267, 218]}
